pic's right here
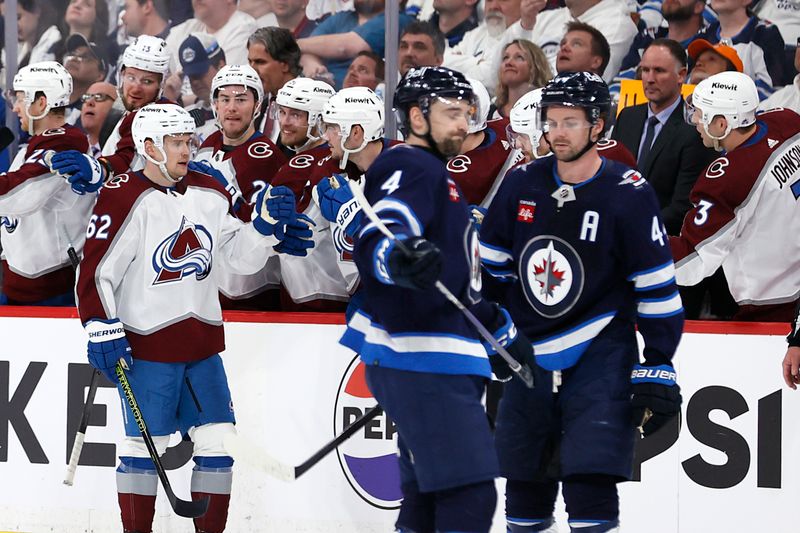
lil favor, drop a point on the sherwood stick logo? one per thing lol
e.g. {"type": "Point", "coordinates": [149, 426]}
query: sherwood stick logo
{"type": "Point", "coordinates": [369, 458]}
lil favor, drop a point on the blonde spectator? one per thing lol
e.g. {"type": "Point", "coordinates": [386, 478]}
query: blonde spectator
{"type": "Point", "coordinates": [524, 67]}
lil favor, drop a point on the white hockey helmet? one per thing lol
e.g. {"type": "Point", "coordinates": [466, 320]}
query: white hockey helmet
{"type": "Point", "coordinates": [305, 94]}
{"type": "Point", "coordinates": [48, 77]}
{"type": "Point", "coordinates": [147, 53]}
{"type": "Point", "coordinates": [484, 102]}
{"type": "Point", "coordinates": [351, 106]}
{"type": "Point", "coordinates": [156, 121]}
{"type": "Point", "coordinates": [524, 119]}
{"type": "Point", "coordinates": [243, 75]}
{"type": "Point", "coordinates": [730, 94]}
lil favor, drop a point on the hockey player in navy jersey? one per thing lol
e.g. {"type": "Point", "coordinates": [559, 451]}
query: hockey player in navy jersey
{"type": "Point", "coordinates": [578, 241]}
{"type": "Point", "coordinates": [745, 215]}
{"type": "Point", "coordinates": [147, 295]}
{"type": "Point", "coordinates": [142, 71]}
{"type": "Point", "coordinates": [40, 217]}
{"type": "Point", "coordinates": [424, 362]}
{"type": "Point", "coordinates": [245, 161]}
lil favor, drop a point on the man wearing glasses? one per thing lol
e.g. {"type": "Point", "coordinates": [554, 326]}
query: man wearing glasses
{"type": "Point", "coordinates": [143, 68]}
{"type": "Point", "coordinates": [98, 115]}
{"type": "Point", "coordinates": [86, 64]}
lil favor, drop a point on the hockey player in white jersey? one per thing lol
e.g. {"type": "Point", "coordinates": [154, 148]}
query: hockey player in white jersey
{"type": "Point", "coordinates": [40, 217]}
{"type": "Point", "coordinates": [142, 71]}
{"type": "Point", "coordinates": [147, 287]}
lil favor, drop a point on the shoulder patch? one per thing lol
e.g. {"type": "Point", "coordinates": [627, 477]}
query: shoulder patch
{"type": "Point", "coordinates": [632, 177]}
{"type": "Point", "coordinates": [117, 181]}
{"type": "Point", "coordinates": [259, 150]}
{"type": "Point", "coordinates": [54, 131]}
{"type": "Point", "coordinates": [717, 168]}
{"type": "Point", "coordinates": [301, 161]}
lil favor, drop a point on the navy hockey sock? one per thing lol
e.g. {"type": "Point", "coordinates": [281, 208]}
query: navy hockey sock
{"type": "Point", "coordinates": [137, 484]}
{"type": "Point", "coordinates": [530, 505]}
{"type": "Point", "coordinates": [592, 503]}
{"type": "Point", "coordinates": [417, 510]}
{"type": "Point", "coordinates": [466, 509]}
{"type": "Point", "coordinates": [212, 477]}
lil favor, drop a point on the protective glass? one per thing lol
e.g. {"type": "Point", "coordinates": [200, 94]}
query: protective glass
{"type": "Point", "coordinates": [570, 125]}
{"type": "Point", "coordinates": [451, 103]}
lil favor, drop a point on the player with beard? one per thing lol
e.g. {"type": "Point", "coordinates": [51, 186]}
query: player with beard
{"type": "Point", "coordinates": [424, 362]}
{"type": "Point", "coordinates": [245, 161]}
{"type": "Point", "coordinates": [143, 69]}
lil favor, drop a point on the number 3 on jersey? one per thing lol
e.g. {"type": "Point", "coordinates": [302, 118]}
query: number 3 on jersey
{"type": "Point", "coordinates": [393, 183]}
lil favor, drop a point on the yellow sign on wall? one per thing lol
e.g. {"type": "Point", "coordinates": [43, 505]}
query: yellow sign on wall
{"type": "Point", "coordinates": [631, 92]}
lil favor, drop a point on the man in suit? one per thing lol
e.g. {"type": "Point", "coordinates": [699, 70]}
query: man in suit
{"type": "Point", "coordinates": [668, 151]}
{"type": "Point", "coordinates": [671, 156]}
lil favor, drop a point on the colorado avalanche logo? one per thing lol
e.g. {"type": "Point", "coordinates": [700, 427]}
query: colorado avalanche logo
{"type": "Point", "coordinates": [369, 459]}
{"type": "Point", "coordinates": [185, 252]}
{"type": "Point", "coordinates": [552, 274]}
{"type": "Point", "coordinates": [9, 223]}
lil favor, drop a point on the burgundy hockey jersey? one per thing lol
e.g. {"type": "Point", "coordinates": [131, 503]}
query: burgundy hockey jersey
{"type": "Point", "coordinates": [155, 258]}
{"type": "Point", "coordinates": [745, 218]}
{"type": "Point", "coordinates": [611, 149]}
{"type": "Point", "coordinates": [40, 217]}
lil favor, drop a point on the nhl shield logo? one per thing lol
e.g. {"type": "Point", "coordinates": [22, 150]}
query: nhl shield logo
{"type": "Point", "coordinates": [552, 275]}
{"type": "Point", "coordinates": [368, 459]}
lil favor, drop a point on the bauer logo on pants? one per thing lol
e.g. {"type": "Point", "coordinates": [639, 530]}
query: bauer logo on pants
{"type": "Point", "coordinates": [369, 458]}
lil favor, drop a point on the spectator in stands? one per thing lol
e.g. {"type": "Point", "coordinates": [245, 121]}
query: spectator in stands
{"type": "Point", "coordinates": [366, 70]}
{"type": "Point", "coordinates": [668, 151]}
{"type": "Point", "coordinates": [784, 15]}
{"type": "Point", "coordinates": [710, 59]}
{"type": "Point", "coordinates": [524, 68]}
{"type": "Point", "coordinates": [758, 43]}
{"type": "Point", "coordinates": [421, 45]}
{"type": "Point", "coordinates": [98, 114]}
{"type": "Point", "coordinates": [337, 40]}
{"type": "Point", "coordinates": [274, 54]}
{"type": "Point", "coordinates": [583, 49]}
{"type": "Point", "coordinates": [86, 64]}
{"type": "Point", "coordinates": [261, 10]}
{"type": "Point", "coordinates": [37, 32]}
{"type": "Point", "coordinates": [472, 56]}
{"type": "Point", "coordinates": [547, 28]}
{"type": "Point", "coordinates": [789, 96]}
{"type": "Point", "coordinates": [220, 19]}
{"type": "Point", "coordinates": [146, 17]}
{"type": "Point", "coordinates": [201, 58]}
{"type": "Point", "coordinates": [685, 22]}
{"type": "Point", "coordinates": [89, 18]}
{"type": "Point", "coordinates": [291, 14]}
{"type": "Point", "coordinates": [454, 18]}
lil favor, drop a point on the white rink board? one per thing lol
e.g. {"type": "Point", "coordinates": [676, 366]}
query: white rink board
{"type": "Point", "coordinates": [285, 379]}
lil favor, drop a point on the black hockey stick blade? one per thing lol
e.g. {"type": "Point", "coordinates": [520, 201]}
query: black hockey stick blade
{"type": "Point", "coordinates": [255, 456]}
{"type": "Point", "coordinates": [184, 508]}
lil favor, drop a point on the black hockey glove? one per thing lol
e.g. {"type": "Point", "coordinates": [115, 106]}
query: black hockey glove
{"type": "Point", "coordinates": [419, 269]}
{"type": "Point", "coordinates": [656, 397]}
{"type": "Point", "coordinates": [514, 341]}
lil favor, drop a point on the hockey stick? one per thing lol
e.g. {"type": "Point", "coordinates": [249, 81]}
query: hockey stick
{"type": "Point", "coordinates": [523, 371]}
{"type": "Point", "coordinates": [509, 163]}
{"type": "Point", "coordinates": [254, 456]}
{"type": "Point", "coordinates": [80, 435]}
{"type": "Point", "coordinates": [188, 509]}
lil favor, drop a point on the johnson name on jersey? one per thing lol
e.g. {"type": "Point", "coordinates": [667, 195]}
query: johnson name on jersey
{"type": "Point", "coordinates": [745, 216]}
{"type": "Point", "coordinates": [164, 246]}
{"type": "Point", "coordinates": [40, 217]}
{"type": "Point", "coordinates": [413, 194]}
{"type": "Point", "coordinates": [579, 256]}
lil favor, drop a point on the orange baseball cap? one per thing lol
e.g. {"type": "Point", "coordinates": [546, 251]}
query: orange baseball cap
{"type": "Point", "coordinates": [698, 46]}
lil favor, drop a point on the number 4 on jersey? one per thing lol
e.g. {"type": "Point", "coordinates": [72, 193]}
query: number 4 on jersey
{"type": "Point", "coordinates": [393, 183]}
{"type": "Point", "coordinates": [658, 231]}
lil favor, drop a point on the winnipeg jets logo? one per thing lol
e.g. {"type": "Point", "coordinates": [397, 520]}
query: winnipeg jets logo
{"type": "Point", "coordinates": [632, 177]}
{"type": "Point", "coordinates": [185, 252]}
{"type": "Point", "coordinates": [552, 274]}
{"type": "Point", "coordinates": [9, 223]}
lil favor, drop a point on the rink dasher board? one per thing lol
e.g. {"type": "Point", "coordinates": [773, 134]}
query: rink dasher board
{"type": "Point", "coordinates": [733, 468]}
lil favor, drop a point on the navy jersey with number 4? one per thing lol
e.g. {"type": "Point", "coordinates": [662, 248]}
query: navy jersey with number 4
{"type": "Point", "coordinates": [421, 331]}
{"type": "Point", "coordinates": [602, 254]}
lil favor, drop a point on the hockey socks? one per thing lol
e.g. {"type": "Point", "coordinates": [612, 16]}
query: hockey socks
{"type": "Point", "coordinates": [593, 526]}
{"type": "Point", "coordinates": [465, 509]}
{"type": "Point", "coordinates": [137, 483]}
{"type": "Point", "coordinates": [212, 477]}
{"type": "Point", "coordinates": [530, 525]}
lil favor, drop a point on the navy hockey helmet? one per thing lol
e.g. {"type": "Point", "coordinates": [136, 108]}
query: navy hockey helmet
{"type": "Point", "coordinates": [578, 89]}
{"type": "Point", "coordinates": [420, 86]}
